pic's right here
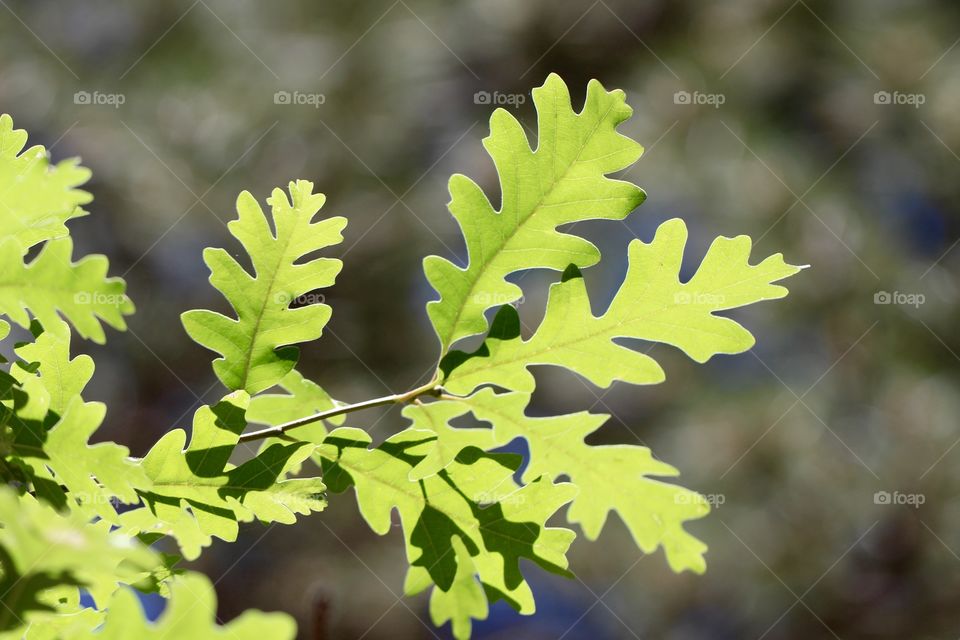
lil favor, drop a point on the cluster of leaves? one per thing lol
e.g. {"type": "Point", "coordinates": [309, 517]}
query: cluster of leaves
{"type": "Point", "coordinates": [468, 516]}
{"type": "Point", "coordinates": [78, 518]}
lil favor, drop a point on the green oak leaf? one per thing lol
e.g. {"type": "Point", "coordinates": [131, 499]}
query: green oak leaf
{"type": "Point", "coordinates": [191, 614]}
{"type": "Point", "coordinates": [474, 499]}
{"type": "Point", "coordinates": [50, 425]}
{"type": "Point", "coordinates": [256, 347]}
{"type": "Point", "coordinates": [610, 478]}
{"type": "Point", "coordinates": [563, 180]}
{"type": "Point", "coordinates": [196, 494]}
{"type": "Point", "coordinates": [51, 283]}
{"type": "Point", "coordinates": [95, 476]}
{"type": "Point", "coordinates": [652, 304]}
{"type": "Point", "coordinates": [36, 198]}
{"type": "Point", "coordinates": [47, 360]}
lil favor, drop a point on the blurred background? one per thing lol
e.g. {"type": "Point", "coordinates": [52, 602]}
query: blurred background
{"type": "Point", "coordinates": [826, 131]}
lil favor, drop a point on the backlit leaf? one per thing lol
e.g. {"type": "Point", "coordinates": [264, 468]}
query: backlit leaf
{"type": "Point", "coordinates": [255, 348]}
{"type": "Point", "coordinates": [563, 180]}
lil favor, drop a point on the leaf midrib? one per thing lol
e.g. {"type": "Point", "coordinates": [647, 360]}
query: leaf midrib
{"type": "Point", "coordinates": [265, 301]}
{"type": "Point", "coordinates": [485, 266]}
{"type": "Point", "coordinates": [605, 327]}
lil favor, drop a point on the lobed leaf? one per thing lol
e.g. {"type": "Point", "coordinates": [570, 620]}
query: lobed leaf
{"type": "Point", "coordinates": [652, 304]}
{"type": "Point", "coordinates": [48, 425]}
{"type": "Point", "coordinates": [255, 348]}
{"type": "Point", "coordinates": [474, 500]}
{"type": "Point", "coordinates": [616, 478]}
{"type": "Point", "coordinates": [196, 494]}
{"type": "Point", "coordinates": [51, 283]}
{"type": "Point", "coordinates": [36, 198]}
{"type": "Point", "coordinates": [563, 180]}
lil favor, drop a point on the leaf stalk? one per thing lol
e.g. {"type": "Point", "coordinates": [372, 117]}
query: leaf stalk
{"type": "Point", "coordinates": [280, 430]}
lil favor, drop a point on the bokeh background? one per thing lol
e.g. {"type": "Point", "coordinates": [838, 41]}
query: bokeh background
{"type": "Point", "coordinates": [781, 134]}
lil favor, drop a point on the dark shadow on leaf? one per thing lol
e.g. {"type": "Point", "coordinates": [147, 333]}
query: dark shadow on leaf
{"type": "Point", "coordinates": [260, 473]}
{"type": "Point", "coordinates": [210, 462]}
{"type": "Point", "coordinates": [505, 326]}
{"type": "Point", "coordinates": [21, 592]}
{"type": "Point", "coordinates": [433, 534]}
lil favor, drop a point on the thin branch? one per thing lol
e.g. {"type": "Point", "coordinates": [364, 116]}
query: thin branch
{"type": "Point", "coordinates": [430, 388]}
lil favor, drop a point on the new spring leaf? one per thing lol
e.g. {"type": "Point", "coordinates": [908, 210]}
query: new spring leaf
{"type": "Point", "coordinates": [652, 304]}
{"type": "Point", "coordinates": [80, 291]}
{"type": "Point", "coordinates": [36, 198]}
{"type": "Point", "coordinates": [255, 348]}
{"type": "Point", "coordinates": [196, 493]}
{"type": "Point", "coordinates": [563, 180]}
{"type": "Point", "coordinates": [474, 499]}
{"type": "Point", "coordinates": [610, 478]}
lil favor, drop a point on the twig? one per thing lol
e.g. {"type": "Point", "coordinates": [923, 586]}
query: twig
{"type": "Point", "coordinates": [430, 388]}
